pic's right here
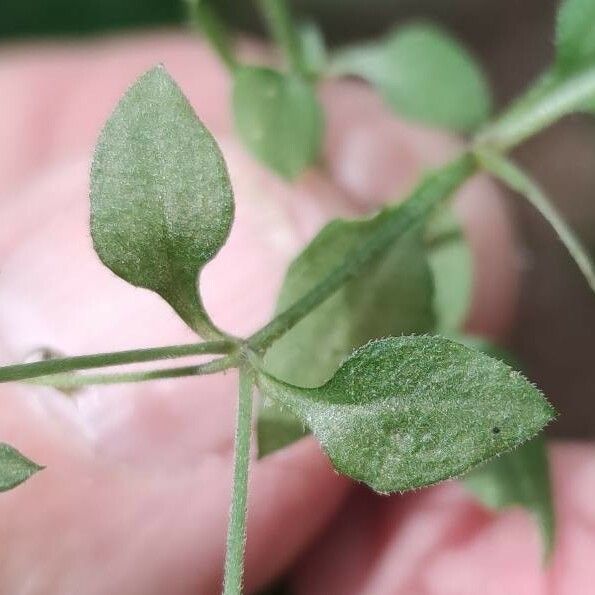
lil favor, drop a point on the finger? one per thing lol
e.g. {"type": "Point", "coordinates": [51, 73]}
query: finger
{"type": "Point", "coordinates": [374, 157]}
{"type": "Point", "coordinates": [79, 526]}
{"type": "Point", "coordinates": [273, 221]}
{"type": "Point", "coordinates": [439, 541]}
{"type": "Point", "coordinates": [77, 314]}
{"type": "Point", "coordinates": [59, 96]}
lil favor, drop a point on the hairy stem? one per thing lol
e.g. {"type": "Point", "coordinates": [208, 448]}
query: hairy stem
{"type": "Point", "coordinates": [433, 190]}
{"type": "Point", "coordinates": [236, 531]}
{"type": "Point", "coordinates": [102, 360]}
{"type": "Point", "coordinates": [546, 102]}
{"type": "Point", "coordinates": [70, 381]}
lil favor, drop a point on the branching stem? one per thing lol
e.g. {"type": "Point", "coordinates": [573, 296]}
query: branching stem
{"type": "Point", "coordinates": [102, 360]}
{"type": "Point", "coordinates": [71, 381]}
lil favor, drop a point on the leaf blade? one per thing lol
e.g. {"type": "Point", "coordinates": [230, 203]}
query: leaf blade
{"type": "Point", "coordinates": [424, 74]}
{"type": "Point", "coordinates": [451, 262]}
{"type": "Point", "coordinates": [407, 412]}
{"type": "Point", "coordinates": [161, 199]}
{"type": "Point", "coordinates": [278, 118]}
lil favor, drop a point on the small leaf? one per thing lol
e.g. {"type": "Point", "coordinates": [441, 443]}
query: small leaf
{"type": "Point", "coordinates": [519, 478]}
{"type": "Point", "coordinates": [276, 428]}
{"type": "Point", "coordinates": [14, 468]}
{"type": "Point", "coordinates": [575, 36]}
{"type": "Point", "coordinates": [278, 118]}
{"type": "Point", "coordinates": [424, 74]}
{"type": "Point", "coordinates": [394, 296]}
{"type": "Point", "coordinates": [451, 262]}
{"type": "Point", "coordinates": [161, 199]}
{"type": "Point", "coordinates": [406, 412]}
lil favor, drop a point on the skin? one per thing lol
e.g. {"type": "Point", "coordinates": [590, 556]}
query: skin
{"type": "Point", "coordinates": [135, 495]}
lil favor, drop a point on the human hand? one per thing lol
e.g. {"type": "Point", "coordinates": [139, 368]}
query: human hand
{"type": "Point", "coordinates": [135, 495]}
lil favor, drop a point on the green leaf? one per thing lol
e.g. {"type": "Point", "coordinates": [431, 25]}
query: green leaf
{"type": "Point", "coordinates": [161, 199]}
{"type": "Point", "coordinates": [278, 118]}
{"type": "Point", "coordinates": [451, 262]}
{"type": "Point", "coordinates": [575, 41]}
{"type": "Point", "coordinates": [276, 428]}
{"type": "Point", "coordinates": [406, 412]}
{"type": "Point", "coordinates": [433, 191]}
{"type": "Point", "coordinates": [519, 478]}
{"type": "Point", "coordinates": [575, 36]}
{"type": "Point", "coordinates": [14, 468]}
{"type": "Point", "coordinates": [424, 74]}
{"type": "Point", "coordinates": [394, 296]}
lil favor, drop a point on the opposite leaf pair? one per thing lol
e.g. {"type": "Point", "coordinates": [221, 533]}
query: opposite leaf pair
{"type": "Point", "coordinates": [400, 413]}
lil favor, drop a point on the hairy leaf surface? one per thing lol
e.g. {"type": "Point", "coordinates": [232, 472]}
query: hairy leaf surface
{"type": "Point", "coordinates": [15, 468]}
{"type": "Point", "coordinates": [406, 412]}
{"type": "Point", "coordinates": [161, 198]}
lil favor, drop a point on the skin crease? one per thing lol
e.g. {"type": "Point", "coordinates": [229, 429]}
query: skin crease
{"type": "Point", "coordinates": [135, 495]}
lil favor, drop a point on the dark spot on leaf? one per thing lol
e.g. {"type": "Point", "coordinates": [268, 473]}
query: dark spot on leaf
{"type": "Point", "coordinates": [496, 430]}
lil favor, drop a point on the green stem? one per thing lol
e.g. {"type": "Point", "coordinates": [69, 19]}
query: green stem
{"type": "Point", "coordinates": [519, 181]}
{"type": "Point", "coordinates": [433, 190]}
{"type": "Point", "coordinates": [236, 532]}
{"type": "Point", "coordinates": [280, 23]}
{"type": "Point", "coordinates": [187, 303]}
{"type": "Point", "coordinates": [70, 381]}
{"type": "Point", "coordinates": [545, 103]}
{"type": "Point", "coordinates": [206, 19]}
{"type": "Point", "coordinates": [102, 360]}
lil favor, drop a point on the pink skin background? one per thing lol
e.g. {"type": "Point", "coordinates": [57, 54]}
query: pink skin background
{"type": "Point", "coordinates": [135, 495]}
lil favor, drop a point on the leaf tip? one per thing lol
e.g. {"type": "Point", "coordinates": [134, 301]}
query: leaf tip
{"type": "Point", "coordinates": [15, 468]}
